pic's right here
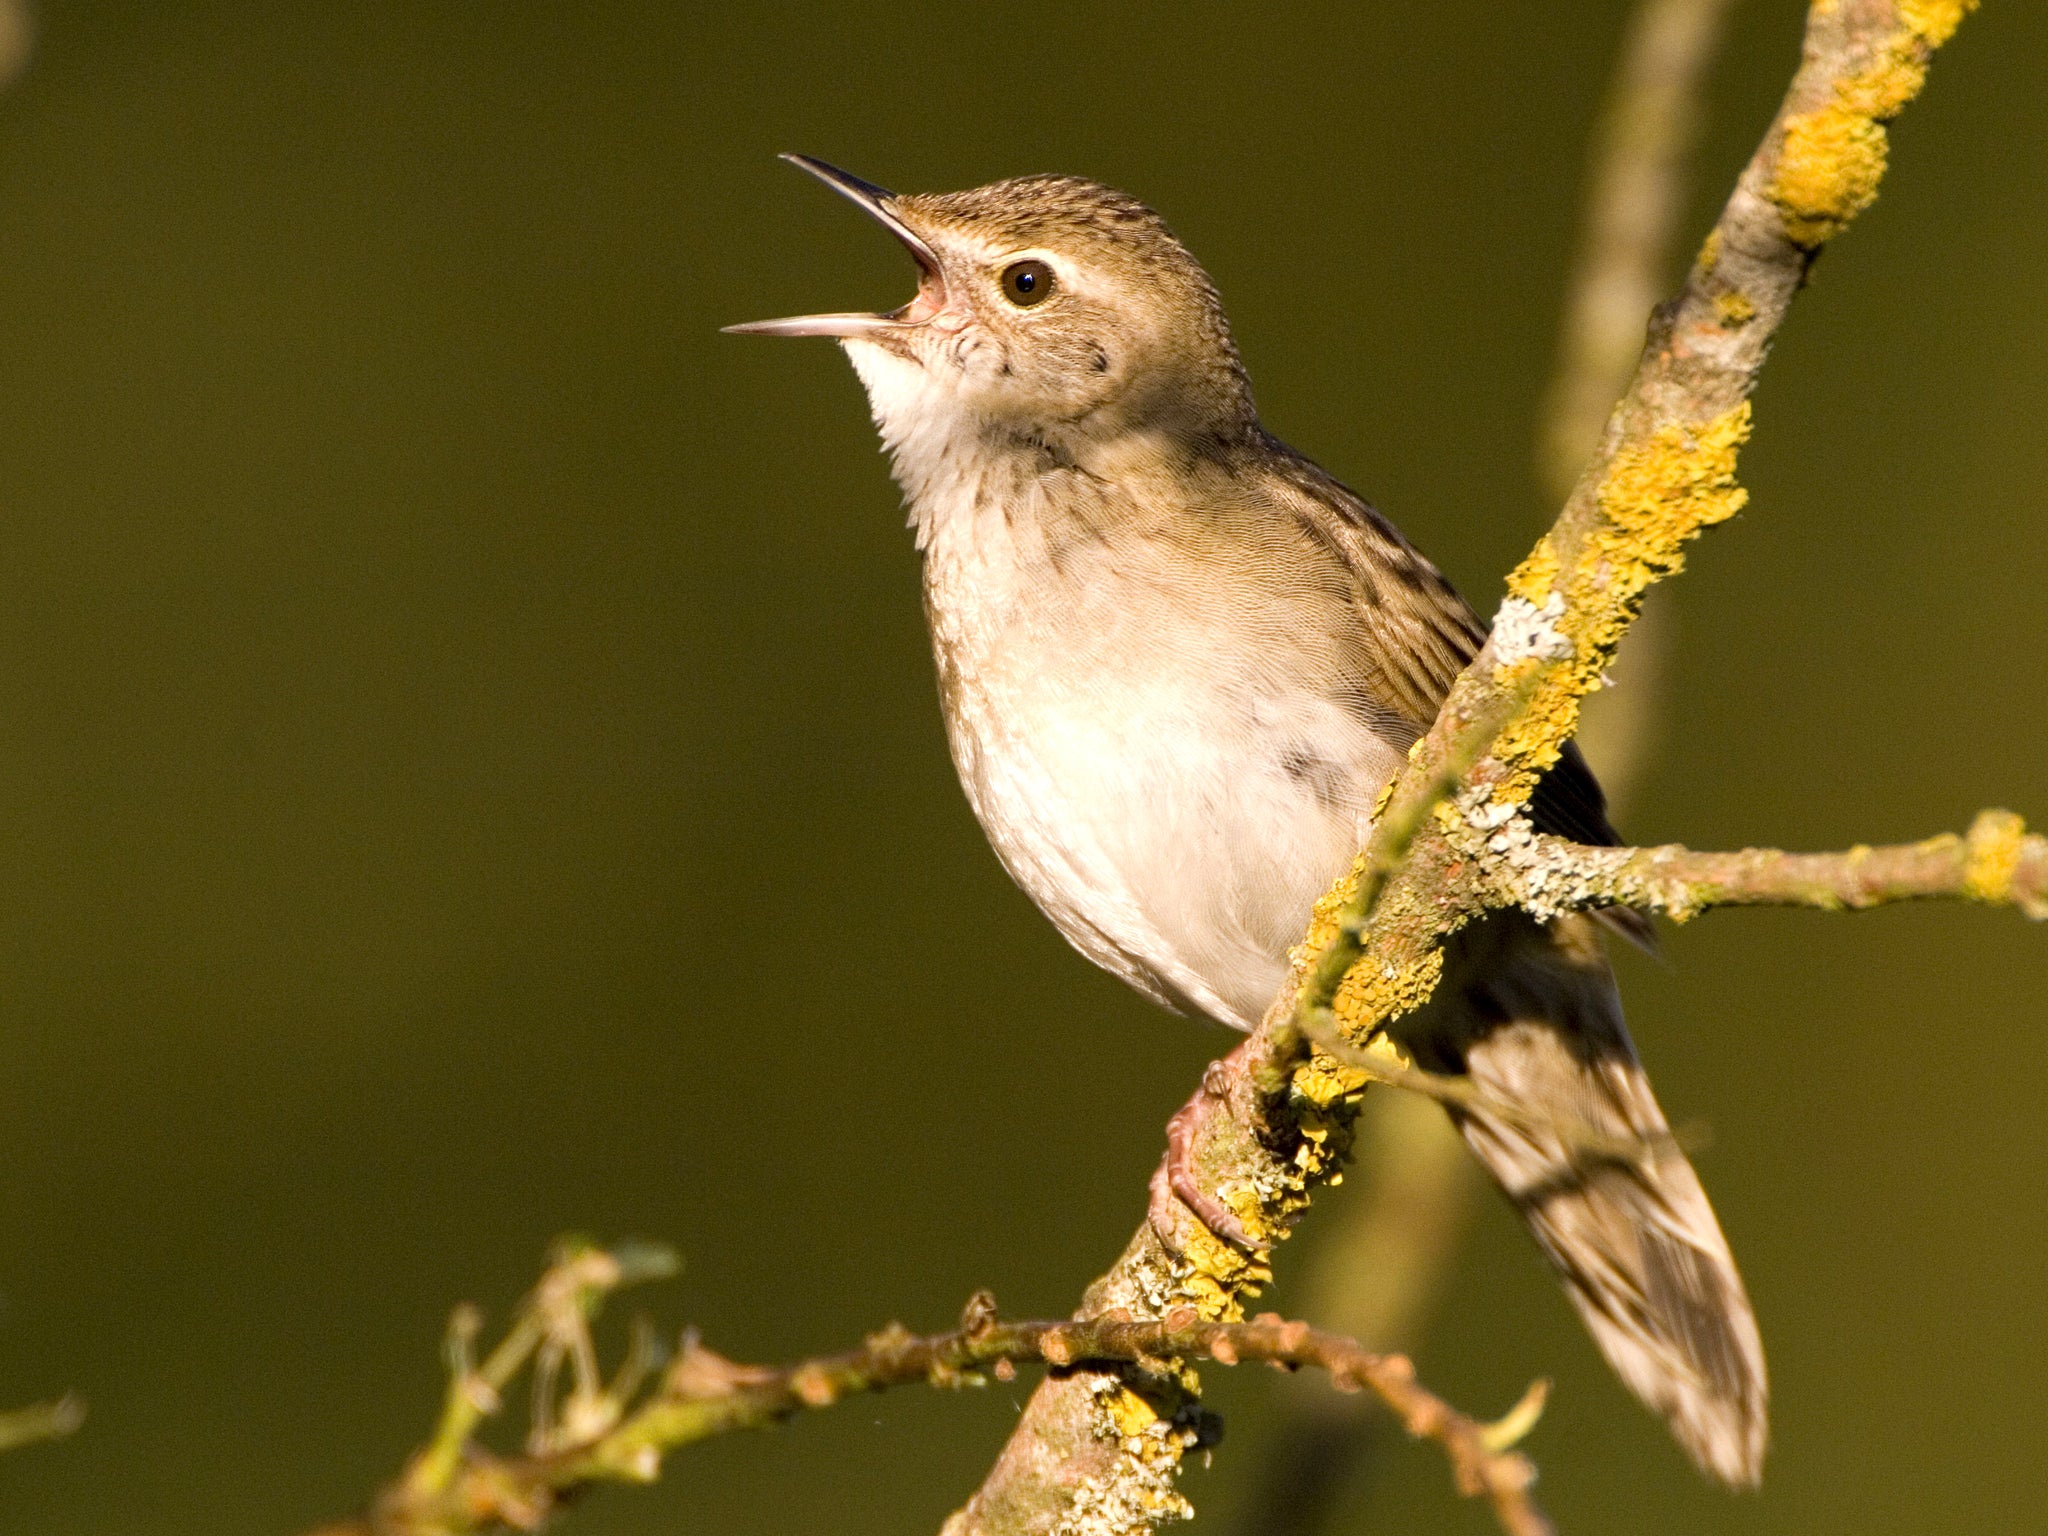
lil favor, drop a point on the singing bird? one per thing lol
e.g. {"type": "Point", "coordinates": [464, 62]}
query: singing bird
{"type": "Point", "coordinates": [1179, 663]}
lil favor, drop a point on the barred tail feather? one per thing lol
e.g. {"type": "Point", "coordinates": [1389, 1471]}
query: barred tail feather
{"type": "Point", "coordinates": [1534, 1020]}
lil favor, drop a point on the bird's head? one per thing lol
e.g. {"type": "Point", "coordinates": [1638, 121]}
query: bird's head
{"type": "Point", "coordinates": [1047, 307]}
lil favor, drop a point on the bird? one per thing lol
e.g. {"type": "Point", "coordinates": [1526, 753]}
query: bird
{"type": "Point", "coordinates": [1179, 663]}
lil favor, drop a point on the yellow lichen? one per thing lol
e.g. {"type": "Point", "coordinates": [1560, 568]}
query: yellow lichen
{"type": "Point", "coordinates": [1216, 1275]}
{"type": "Point", "coordinates": [1322, 920]}
{"type": "Point", "coordinates": [1322, 1082]}
{"type": "Point", "coordinates": [1996, 841]}
{"type": "Point", "coordinates": [1128, 1411]}
{"type": "Point", "coordinates": [1831, 159]}
{"type": "Point", "coordinates": [1828, 169]}
{"type": "Point", "coordinates": [1710, 253]}
{"type": "Point", "coordinates": [1536, 575]}
{"type": "Point", "coordinates": [1733, 308]}
{"type": "Point", "coordinates": [1366, 1001]}
{"type": "Point", "coordinates": [1654, 499]}
{"type": "Point", "coordinates": [1662, 493]}
{"type": "Point", "coordinates": [1934, 21]}
{"type": "Point", "coordinates": [1135, 1493]}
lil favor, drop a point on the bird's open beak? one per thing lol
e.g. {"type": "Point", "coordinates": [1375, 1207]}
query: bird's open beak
{"type": "Point", "coordinates": [931, 290]}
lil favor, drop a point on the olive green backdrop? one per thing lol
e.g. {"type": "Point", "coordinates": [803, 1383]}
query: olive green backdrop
{"type": "Point", "coordinates": [469, 766]}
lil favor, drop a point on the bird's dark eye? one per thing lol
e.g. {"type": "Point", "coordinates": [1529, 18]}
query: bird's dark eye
{"type": "Point", "coordinates": [1026, 283]}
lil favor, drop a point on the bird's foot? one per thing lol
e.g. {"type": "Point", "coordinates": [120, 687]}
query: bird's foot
{"type": "Point", "coordinates": [1176, 1193]}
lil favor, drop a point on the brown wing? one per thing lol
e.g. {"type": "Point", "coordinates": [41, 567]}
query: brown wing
{"type": "Point", "coordinates": [1422, 633]}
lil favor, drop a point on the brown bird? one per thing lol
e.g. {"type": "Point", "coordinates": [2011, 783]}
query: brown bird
{"type": "Point", "coordinates": [1179, 663]}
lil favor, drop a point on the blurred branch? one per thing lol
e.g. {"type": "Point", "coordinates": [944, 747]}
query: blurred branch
{"type": "Point", "coordinates": [1270, 1124]}
{"type": "Point", "coordinates": [1637, 194]}
{"type": "Point", "coordinates": [40, 1421]}
{"type": "Point", "coordinates": [588, 1431]}
{"type": "Point", "coordinates": [17, 39]}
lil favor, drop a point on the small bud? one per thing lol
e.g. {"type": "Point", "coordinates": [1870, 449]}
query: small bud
{"type": "Point", "coordinates": [814, 1387]}
{"type": "Point", "coordinates": [979, 1315]}
{"type": "Point", "coordinates": [889, 1341]}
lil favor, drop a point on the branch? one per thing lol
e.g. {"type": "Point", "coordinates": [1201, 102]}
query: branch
{"type": "Point", "coordinates": [1997, 862]}
{"type": "Point", "coordinates": [1665, 472]}
{"type": "Point", "coordinates": [1269, 1126]}
{"type": "Point", "coordinates": [590, 1432]}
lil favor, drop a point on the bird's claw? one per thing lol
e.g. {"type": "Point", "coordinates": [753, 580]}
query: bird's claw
{"type": "Point", "coordinates": [1174, 1187]}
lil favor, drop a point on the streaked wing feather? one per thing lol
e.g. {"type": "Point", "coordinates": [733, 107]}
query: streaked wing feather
{"type": "Point", "coordinates": [1422, 634]}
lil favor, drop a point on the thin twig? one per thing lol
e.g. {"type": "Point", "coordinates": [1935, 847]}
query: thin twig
{"type": "Point", "coordinates": [1997, 862]}
{"type": "Point", "coordinates": [456, 1487]}
{"type": "Point", "coordinates": [1578, 1137]}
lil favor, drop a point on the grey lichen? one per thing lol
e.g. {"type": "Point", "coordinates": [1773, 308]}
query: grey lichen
{"type": "Point", "coordinates": [1526, 631]}
{"type": "Point", "coordinates": [1545, 876]}
{"type": "Point", "coordinates": [1137, 1493]}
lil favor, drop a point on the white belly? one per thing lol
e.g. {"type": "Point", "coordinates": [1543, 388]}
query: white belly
{"type": "Point", "coordinates": [1175, 818]}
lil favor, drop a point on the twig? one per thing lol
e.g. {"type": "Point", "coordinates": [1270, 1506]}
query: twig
{"type": "Point", "coordinates": [454, 1487]}
{"type": "Point", "coordinates": [1267, 1128]}
{"type": "Point", "coordinates": [1379, 1064]}
{"type": "Point", "coordinates": [1997, 862]}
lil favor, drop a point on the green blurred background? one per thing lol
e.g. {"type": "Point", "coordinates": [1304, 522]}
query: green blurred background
{"type": "Point", "coordinates": [469, 766]}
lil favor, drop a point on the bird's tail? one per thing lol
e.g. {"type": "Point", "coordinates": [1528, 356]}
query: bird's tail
{"type": "Point", "coordinates": [1565, 1121]}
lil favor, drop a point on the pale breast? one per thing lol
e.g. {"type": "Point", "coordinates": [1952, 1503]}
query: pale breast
{"type": "Point", "coordinates": [1168, 790]}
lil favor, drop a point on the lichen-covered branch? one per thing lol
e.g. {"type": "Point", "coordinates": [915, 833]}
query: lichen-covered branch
{"type": "Point", "coordinates": [1997, 862]}
{"type": "Point", "coordinates": [587, 1430]}
{"type": "Point", "coordinates": [1664, 473]}
{"type": "Point", "coordinates": [1270, 1123]}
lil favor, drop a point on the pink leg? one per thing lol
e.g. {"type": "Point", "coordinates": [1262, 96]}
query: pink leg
{"type": "Point", "coordinates": [1175, 1179]}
